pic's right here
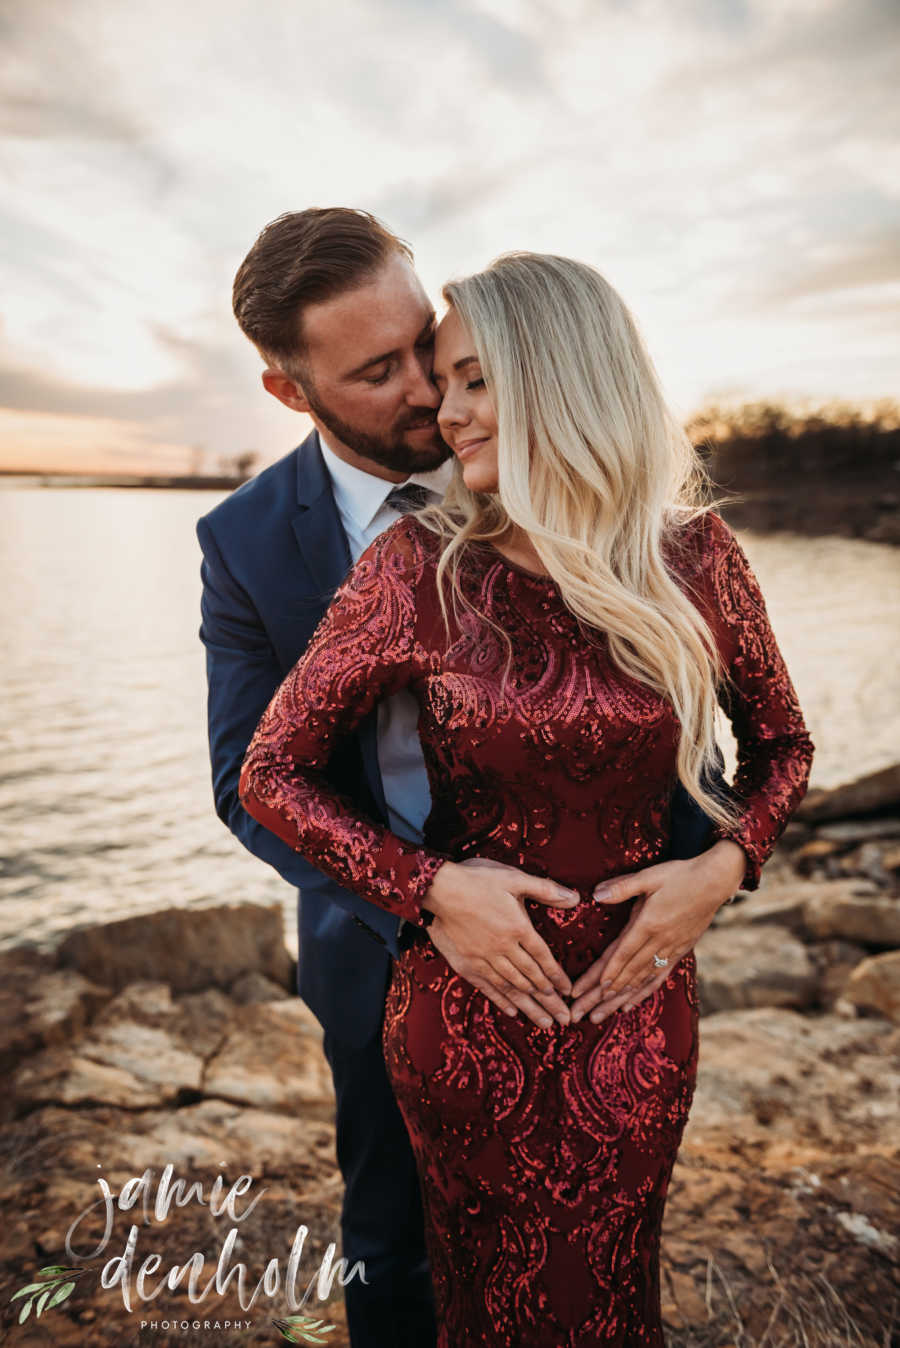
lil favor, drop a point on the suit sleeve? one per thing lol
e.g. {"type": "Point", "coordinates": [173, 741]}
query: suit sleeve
{"type": "Point", "coordinates": [363, 650]}
{"type": "Point", "coordinates": [774, 750]}
{"type": "Point", "coordinates": [242, 674]}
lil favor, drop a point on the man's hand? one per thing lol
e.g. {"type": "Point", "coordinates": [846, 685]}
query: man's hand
{"type": "Point", "coordinates": [483, 931]}
{"type": "Point", "coordinates": [680, 899]}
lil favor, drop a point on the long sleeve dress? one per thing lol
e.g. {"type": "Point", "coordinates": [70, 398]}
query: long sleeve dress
{"type": "Point", "coordinates": [544, 1154]}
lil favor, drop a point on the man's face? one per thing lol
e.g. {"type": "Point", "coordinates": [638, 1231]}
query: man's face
{"type": "Point", "coordinates": [367, 373]}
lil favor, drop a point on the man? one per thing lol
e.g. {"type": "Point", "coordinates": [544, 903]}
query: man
{"type": "Point", "coordinates": [332, 303]}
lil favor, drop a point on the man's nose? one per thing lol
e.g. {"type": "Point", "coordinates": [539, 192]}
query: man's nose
{"type": "Point", "coordinates": [421, 392]}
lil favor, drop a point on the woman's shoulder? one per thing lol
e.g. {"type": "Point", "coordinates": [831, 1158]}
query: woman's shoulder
{"type": "Point", "coordinates": [697, 540]}
{"type": "Point", "coordinates": [406, 548]}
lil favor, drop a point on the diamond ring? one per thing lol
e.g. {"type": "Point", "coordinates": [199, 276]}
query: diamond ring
{"type": "Point", "coordinates": [660, 961]}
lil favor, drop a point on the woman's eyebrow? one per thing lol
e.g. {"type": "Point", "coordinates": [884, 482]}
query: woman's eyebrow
{"type": "Point", "coordinates": [457, 365]}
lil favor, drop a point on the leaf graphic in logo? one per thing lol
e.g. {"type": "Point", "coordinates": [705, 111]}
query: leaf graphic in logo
{"type": "Point", "coordinates": [304, 1329]}
{"type": "Point", "coordinates": [51, 1290]}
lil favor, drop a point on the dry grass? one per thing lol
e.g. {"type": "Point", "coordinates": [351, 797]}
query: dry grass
{"type": "Point", "coordinates": [798, 1311]}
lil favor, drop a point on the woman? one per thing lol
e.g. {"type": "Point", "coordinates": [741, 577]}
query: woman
{"type": "Point", "coordinates": [567, 621]}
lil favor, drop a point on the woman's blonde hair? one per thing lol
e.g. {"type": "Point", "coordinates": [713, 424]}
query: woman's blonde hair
{"type": "Point", "coordinates": [597, 471]}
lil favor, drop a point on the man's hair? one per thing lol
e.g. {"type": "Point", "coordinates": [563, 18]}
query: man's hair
{"type": "Point", "coordinates": [305, 257]}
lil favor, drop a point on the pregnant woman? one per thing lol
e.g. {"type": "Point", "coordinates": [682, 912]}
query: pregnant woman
{"type": "Point", "coordinates": [567, 620]}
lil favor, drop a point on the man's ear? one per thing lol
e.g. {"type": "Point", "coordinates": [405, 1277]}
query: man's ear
{"type": "Point", "coordinates": [285, 389]}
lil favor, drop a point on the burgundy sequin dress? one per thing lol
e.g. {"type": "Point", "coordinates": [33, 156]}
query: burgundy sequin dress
{"type": "Point", "coordinates": [544, 1155]}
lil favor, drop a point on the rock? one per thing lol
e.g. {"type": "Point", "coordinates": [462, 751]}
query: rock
{"type": "Point", "coordinates": [150, 1054]}
{"type": "Point", "coordinates": [63, 1078]}
{"type": "Point", "coordinates": [866, 860]}
{"type": "Point", "coordinates": [255, 987]}
{"type": "Point", "coordinates": [890, 858]}
{"type": "Point", "coordinates": [813, 854]}
{"type": "Point", "coordinates": [782, 904]}
{"type": "Point", "coordinates": [743, 966]}
{"type": "Point", "coordinates": [272, 1059]}
{"type": "Point", "coordinates": [836, 910]}
{"type": "Point", "coordinates": [772, 1073]}
{"type": "Point", "coordinates": [202, 1020]}
{"type": "Point", "coordinates": [875, 791]}
{"type": "Point", "coordinates": [874, 985]}
{"type": "Point", "coordinates": [196, 1021]}
{"type": "Point", "coordinates": [41, 1006]}
{"type": "Point", "coordinates": [188, 948]}
{"type": "Point", "coordinates": [212, 1131]}
{"type": "Point", "coordinates": [835, 961]}
{"type": "Point", "coordinates": [862, 1230]}
{"type": "Point", "coordinates": [852, 831]}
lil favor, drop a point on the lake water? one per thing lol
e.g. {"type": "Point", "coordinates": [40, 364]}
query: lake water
{"type": "Point", "coordinates": [105, 801]}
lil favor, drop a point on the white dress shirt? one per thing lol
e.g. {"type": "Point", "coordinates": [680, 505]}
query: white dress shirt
{"type": "Point", "coordinates": [360, 500]}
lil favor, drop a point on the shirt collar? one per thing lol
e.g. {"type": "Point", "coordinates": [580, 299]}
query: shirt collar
{"type": "Point", "coordinates": [361, 495]}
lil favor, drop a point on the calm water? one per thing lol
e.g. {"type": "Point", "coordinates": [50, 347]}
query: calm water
{"type": "Point", "coordinates": [105, 800]}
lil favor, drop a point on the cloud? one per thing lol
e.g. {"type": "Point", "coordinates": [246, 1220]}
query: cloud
{"type": "Point", "coordinates": [728, 163]}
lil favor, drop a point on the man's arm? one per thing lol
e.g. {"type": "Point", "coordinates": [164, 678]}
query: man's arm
{"type": "Point", "coordinates": [243, 673]}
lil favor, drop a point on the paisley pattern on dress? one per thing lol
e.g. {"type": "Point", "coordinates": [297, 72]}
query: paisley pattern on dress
{"type": "Point", "coordinates": [544, 1155]}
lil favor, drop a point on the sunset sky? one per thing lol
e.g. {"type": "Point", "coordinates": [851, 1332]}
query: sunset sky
{"type": "Point", "coordinates": [732, 166]}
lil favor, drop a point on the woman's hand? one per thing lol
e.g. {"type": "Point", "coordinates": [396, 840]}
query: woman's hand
{"type": "Point", "coordinates": [483, 930]}
{"type": "Point", "coordinates": [680, 900]}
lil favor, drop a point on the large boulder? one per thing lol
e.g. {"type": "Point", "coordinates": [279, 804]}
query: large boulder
{"type": "Point", "coordinates": [873, 792]}
{"type": "Point", "coordinates": [40, 1006]}
{"type": "Point", "coordinates": [188, 948]}
{"type": "Point", "coordinates": [774, 1074]}
{"type": "Point", "coordinates": [782, 904]}
{"type": "Point", "coordinates": [753, 965]}
{"type": "Point", "coordinates": [874, 985]}
{"type": "Point", "coordinates": [271, 1059]}
{"type": "Point", "coordinates": [838, 910]}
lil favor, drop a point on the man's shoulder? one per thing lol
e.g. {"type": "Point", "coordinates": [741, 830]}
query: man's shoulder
{"type": "Point", "coordinates": [274, 488]}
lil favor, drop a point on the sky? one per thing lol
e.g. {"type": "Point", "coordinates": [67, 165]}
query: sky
{"type": "Point", "coordinates": [731, 166]}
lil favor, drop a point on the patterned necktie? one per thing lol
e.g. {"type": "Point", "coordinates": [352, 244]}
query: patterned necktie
{"type": "Point", "coordinates": [409, 496]}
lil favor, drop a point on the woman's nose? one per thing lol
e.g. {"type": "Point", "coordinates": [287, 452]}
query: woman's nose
{"type": "Point", "coordinates": [451, 412]}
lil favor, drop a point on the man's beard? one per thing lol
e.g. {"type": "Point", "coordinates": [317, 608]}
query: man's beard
{"type": "Point", "coordinates": [393, 454]}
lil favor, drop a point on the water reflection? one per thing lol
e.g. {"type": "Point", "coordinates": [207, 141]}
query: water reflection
{"type": "Point", "coordinates": [104, 783]}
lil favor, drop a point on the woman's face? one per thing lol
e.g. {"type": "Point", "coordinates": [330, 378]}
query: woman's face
{"type": "Point", "coordinates": [466, 416]}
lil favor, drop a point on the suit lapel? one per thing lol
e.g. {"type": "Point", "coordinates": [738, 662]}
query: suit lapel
{"type": "Point", "coordinates": [317, 525]}
{"type": "Point", "coordinates": [323, 544]}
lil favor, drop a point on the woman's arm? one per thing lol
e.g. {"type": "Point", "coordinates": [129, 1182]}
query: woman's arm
{"type": "Point", "coordinates": [774, 750]}
{"type": "Point", "coordinates": [363, 650]}
{"type": "Point", "coordinates": [680, 898]}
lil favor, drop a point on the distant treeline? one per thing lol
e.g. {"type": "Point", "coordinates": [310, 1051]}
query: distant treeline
{"type": "Point", "coordinates": [835, 469]}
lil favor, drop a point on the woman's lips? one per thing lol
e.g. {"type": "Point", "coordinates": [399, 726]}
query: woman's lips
{"type": "Point", "coordinates": [469, 446]}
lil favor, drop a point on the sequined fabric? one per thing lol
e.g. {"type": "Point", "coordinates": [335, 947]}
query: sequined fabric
{"type": "Point", "coordinates": [544, 1155]}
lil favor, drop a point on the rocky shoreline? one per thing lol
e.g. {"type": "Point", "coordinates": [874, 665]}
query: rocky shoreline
{"type": "Point", "coordinates": [176, 1039]}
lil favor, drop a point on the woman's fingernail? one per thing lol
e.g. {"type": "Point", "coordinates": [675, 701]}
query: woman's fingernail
{"type": "Point", "coordinates": [545, 1022]}
{"type": "Point", "coordinates": [570, 895]}
{"type": "Point", "coordinates": [602, 892]}
{"type": "Point", "coordinates": [597, 1016]}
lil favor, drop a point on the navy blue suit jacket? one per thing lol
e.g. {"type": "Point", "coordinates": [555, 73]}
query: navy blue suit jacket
{"type": "Point", "coordinates": [274, 552]}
